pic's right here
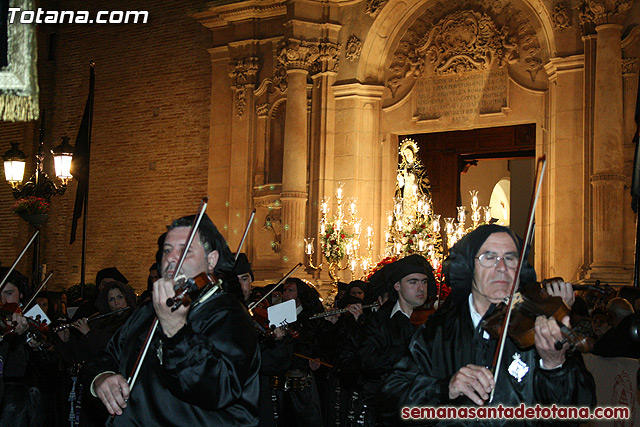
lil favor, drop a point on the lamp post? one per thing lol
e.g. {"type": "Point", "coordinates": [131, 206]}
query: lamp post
{"type": "Point", "coordinates": [39, 184]}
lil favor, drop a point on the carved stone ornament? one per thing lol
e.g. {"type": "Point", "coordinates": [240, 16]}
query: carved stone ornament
{"type": "Point", "coordinates": [241, 100]}
{"type": "Point", "coordinates": [374, 7]}
{"type": "Point", "coordinates": [273, 223]}
{"type": "Point", "coordinates": [457, 36]}
{"type": "Point", "coordinates": [467, 41]}
{"type": "Point", "coordinates": [601, 12]}
{"type": "Point", "coordinates": [327, 59]}
{"type": "Point", "coordinates": [242, 72]}
{"type": "Point", "coordinates": [560, 16]}
{"type": "Point", "coordinates": [629, 66]}
{"type": "Point", "coordinates": [262, 109]}
{"type": "Point", "coordinates": [280, 78]}
{"type": "Point", "coordinates": [299, 54]}
{"type": "Point", "coordinates": [353, 49]}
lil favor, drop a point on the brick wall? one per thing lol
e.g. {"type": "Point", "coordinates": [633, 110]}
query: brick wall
{"type": "Point", "coordinates": [149, 141]}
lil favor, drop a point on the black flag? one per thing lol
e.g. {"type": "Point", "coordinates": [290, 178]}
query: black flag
{"type": "Point", "coordinates": [635, 182]}
{"type": "Point", "coordinates": [80, 162]}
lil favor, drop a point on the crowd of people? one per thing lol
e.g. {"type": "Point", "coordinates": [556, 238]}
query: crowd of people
{"type": "Point", "coordinates": [385, 344]}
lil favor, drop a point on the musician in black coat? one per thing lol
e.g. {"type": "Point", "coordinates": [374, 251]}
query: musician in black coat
{"type": "Point", "coordinates": [202, 365]}
{"type": "Point", "coordinates": [385, 335]}
{"type": "Point", "coordinates": [449, 356]}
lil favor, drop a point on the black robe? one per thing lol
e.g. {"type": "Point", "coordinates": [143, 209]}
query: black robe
{"type": "Point", "coordinates": [206, 374]}
{"type": "Point", "coordinates": [383, 341]}
{"type": "Point", "coordinates": [447, 342]}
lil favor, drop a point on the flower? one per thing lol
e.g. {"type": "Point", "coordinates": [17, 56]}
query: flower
{"type": "Point", "coordinates": [334, 243]}
{"type": "Point", "coordinates": [30, 205]}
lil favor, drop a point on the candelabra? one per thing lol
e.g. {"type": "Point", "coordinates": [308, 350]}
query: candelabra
{"type": "Point", "coordinates": [339, 238]}
{"type": "Point", "coordinates": [455, 231]}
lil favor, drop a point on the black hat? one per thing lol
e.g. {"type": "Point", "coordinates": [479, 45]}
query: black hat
{"type": "Point", "coordinates": [384, 279]}
{"type": "Point", "coordinates": [110, 273]}
{"type": "Point", "coordinates": [364, 286]}
{"type": "Point", "coordinates": [242, 265]}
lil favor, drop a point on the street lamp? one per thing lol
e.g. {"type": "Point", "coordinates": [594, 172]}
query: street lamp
{"type": "Point", "coordinates": [39, 184]}
{"type": "Point", "coordinates": [14, 161]}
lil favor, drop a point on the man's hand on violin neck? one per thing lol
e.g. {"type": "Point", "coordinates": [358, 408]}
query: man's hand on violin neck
{"type": "Point", "coordinates": [556, 287]}
{"type": "Point", "coordinates": [547, 333]}
{"type": "Point", "coordinates": [170, 321]}
{"type": "Point", "coordinates": [113, 391]}
{"type": "Point", "coordinates": [473, 381]}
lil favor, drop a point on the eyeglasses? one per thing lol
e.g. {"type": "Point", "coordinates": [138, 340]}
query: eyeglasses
{"type": "Point", "coordinates": [490, 260]}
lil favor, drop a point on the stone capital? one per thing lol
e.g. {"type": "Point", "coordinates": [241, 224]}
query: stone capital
{"type": "Point", "coordinates": [599, 12]}
{"type": "Point", "coordinates": [299, 54]}
{"type": "Point", "coordinates": [243, 71]}
{"type": "Point", "coordinates": [328, 59]}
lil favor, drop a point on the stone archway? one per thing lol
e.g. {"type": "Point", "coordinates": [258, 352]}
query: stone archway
{"type": "Point", "coordinates": [398, 15]}
{"type": "Point", "coordinates": [513, 39]}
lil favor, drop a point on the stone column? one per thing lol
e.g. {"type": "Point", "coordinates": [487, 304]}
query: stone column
{"type": "Point", "coordinates": [607, 178]}
{"type": "Point", "coordinates": [297, 56]}
{"type": "Point", "coordinates": [243, 73]}
{"type": "Point", "coordinates": [566, 158]}
{"type": "Point", "coordinates": [321, 170]}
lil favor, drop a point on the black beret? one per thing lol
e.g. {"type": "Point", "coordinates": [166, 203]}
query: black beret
{"type": "Point", "coordinates": [110, 273]}
{"type": "Point", "coordinates": [242, 265]}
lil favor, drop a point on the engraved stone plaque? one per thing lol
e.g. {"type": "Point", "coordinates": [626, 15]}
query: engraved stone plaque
{"type": "Point", "coordinates": [461, 97]}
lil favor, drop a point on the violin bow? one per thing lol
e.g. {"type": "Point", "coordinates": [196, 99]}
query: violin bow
{"type": "Point", "coordinates": [6, 276]}
{"type": "Point", "coordinates": [497, 358]}
{"type": "Point", "coordinates": [44, 282]}
{"type": "Point", "coordinates": [255, 304]}
{"type": "Point", "coordinates": [244, 236]}
{"type": "Point", "coordinates": [194, 229]}
{"type": "Point", "coordinates": [210, 290]}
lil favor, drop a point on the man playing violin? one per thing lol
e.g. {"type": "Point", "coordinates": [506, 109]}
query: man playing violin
{"type": "Point", "coordinates": [20, 355]}
{"type": "Point", "coordinates": [451, 356]}
{"type": "Point", "coordinates": [202, 364]}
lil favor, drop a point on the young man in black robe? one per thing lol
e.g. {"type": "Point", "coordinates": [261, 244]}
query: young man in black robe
{"type": "Point", "coordinates": [385, 335]}
{"type": "Point", "coordinates": [203, 362]}
{"type": "Point", "coordinates": [449, 356]}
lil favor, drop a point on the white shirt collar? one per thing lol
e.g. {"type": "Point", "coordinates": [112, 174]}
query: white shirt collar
{"type": "Point", "coordinates": [397, 308]}
{"type": "Point", "coordinates": [476, 317]}
{"type": "Point", "coordinates": [298, 310]}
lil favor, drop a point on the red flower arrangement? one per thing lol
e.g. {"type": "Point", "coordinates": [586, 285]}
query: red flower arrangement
{"type": "Point", "coordinates": [31, 205]}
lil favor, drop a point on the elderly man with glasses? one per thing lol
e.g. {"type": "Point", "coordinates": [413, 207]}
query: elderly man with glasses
{"type": "Point", "coordinates": [451, 357]}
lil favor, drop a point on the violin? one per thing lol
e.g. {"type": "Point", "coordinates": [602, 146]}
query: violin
{"type": "Point", "coordinates": [188, 289]}
{"type": "Point", "coordinates": [260, 317]}
{"type": "Point", "coordinates": [529, 304]}
{"type": "Point", "coordinates": [420, 314]}
{"type": "Point", "coordinates": [37, 330]}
